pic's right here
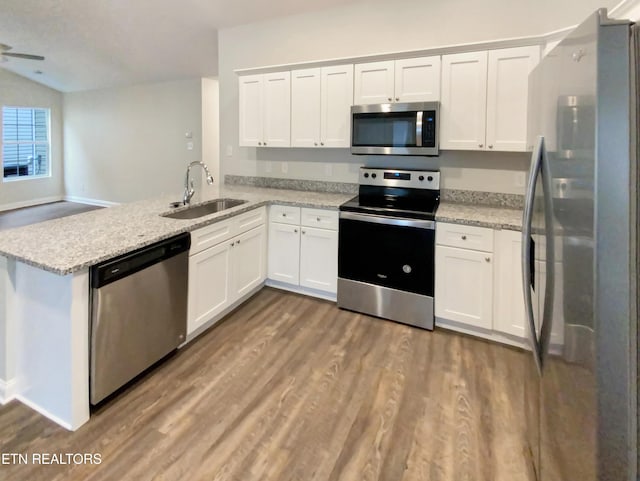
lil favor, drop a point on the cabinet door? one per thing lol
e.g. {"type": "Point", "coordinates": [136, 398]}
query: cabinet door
{"type": "Point", "coordinates": [305, 108]}
{"type": "Point", "coordinates": [319, 259]}
{"type": "Point", "coordinates": [277, 110]}
{"type": "Point", "coordinates": [248, 261]}
{"type": "Point", "coordinates": [209, 288]}
{"type": "Point", "coordinates": [284, 253]}
{"type": "Point", "coordinates": [373, 83]}
{"type": "Point", "coordinates": [464, 286]}
{"type": "Point", "coordinates": [250, 93]}
{"type": "Point", "coordinates": [417, 79]}
{"type": "Point", "coordinates": [464, 101]}
{"type": "Point", "coordinates": [507, 94]}
{"type": "Point", "coordinates": [335, 111]}
{"type": "Point", "coordinates": [509, 314]}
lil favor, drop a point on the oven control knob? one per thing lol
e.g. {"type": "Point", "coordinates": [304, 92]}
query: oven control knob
{"type": "Point", "coordinates": [406, 269]}
{"type": "Point", "coordinates": [373, 176]}
{"type": "Point", "coordinates": [366, 175]}
{"type": "Point", "coordinates": [430, 178]}
{"type": "Point", "coordinates": [421, 178]}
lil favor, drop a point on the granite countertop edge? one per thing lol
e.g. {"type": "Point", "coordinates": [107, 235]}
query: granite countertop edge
{"type": "Point", "coordinates": [148, 215]}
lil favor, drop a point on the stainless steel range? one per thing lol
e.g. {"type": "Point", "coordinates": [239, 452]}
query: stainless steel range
{"type": "Point", "coordinates": [387, 246]}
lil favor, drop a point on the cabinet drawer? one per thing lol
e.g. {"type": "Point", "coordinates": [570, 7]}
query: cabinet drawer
{"type": "Point", "coordinates": [211, 235]}
{"type": "Point", "coordinates": [464, 236]}
{"type": "Point", "coordinates": [284, 214]}
{"type": "Point", "coordinates": [249, 220]}
{"type": "Point", "coordinates": [323, 218]}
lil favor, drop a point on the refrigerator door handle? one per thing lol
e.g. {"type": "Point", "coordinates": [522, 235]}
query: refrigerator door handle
{"type": "Point", "coordinates": [527, 219]}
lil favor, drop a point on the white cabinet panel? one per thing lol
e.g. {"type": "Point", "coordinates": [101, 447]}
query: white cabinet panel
{"type": "Point", "coordinates": [465, 236]}
{"type": "Point", "coordinates": [209, 289]}
{"type": "Point", "coordinates": [249, 261]}
{"type": "Point", "coordinates": [373, 83]}
{"type": "Point", "coordinates": [323, 218]}
{"type": "Point", "coordinates": [305, 108]}
{"type": "Point", "coordinates": [277, 109]}
{"type": "Point", "coordinates": [319, 259]}
{"type": "Point", "coordinates": [417, 79]}
{"type": "Point", "coordinates": [507, 94]}
{"type": "Point", "coordinates": [464, 286]}
{"type": "Point", "coordinates": [284, 214]}
{"type": "Point", "coordinates": [284, 252]}
{"type": "Point", "coordinates": [250, 93]}
{"type": "Point", "coordinates": [464, 101]}
{"type": "Point", "coordinates": [265, 110]}
{"type": "Point", "coordinates": [335, 110]}
{"type": "Point", "coordinates": [509, 312]}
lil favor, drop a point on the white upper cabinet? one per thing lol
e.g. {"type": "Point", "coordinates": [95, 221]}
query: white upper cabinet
{"type": "Point", "coordinates": [265, 110]}
{"type": "Point", "coordinates": [484, 99]}
{"type": "Point", "coordinates": [417, 79]}
{"type": "Point", "coordinates": [464, 101]}
{"type": "Point", "coordinates": [373, 83]}
{"type": "Point", "coordinates": [321, 101]}
{"type": "Point", "coordinates": [305, 107]}
{"type": "Point", "coordinates": [336, 96]}
{"type": "Point", "coordinates": [507, 94]}
{"type": "Point", "coordinates": [408, 80]}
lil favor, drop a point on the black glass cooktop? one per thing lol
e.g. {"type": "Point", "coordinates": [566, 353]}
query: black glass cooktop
{"type": "Point", "coordinates": [395, 202]}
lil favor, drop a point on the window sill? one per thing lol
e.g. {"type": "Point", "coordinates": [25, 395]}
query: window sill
{"type": "Point", "coordinates": [25, 177]}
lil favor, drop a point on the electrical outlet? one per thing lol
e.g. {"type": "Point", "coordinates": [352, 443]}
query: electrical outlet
{"type": "Point", "coordinates": [520, 179]}
{"type": "Point", "coordinates": [328, 170]}
{"type": "Point", "coordinates": [285, 167]}
{"type": "Point", "coordinates": [189, 145]}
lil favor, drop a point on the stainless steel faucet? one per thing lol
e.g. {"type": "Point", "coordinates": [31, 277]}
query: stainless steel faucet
{"type": "Point", "coordinates": [188, 183]}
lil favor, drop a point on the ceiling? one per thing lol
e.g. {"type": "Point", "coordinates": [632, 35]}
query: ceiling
{"type": "Point", "coordinates": [92, 44]}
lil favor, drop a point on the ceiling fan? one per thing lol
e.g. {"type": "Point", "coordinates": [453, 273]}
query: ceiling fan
{"type": "Point", "coordinates": [4, 53]}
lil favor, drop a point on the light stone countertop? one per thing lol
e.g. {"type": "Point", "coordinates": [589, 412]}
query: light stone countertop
{"type": "Point", "coordinates": [480, 215]}
{"type": "Point", "coordinates": [73, 243]}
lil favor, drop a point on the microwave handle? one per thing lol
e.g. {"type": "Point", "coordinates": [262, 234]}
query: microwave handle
{"type": "Point", "coordinates": [419, 129]}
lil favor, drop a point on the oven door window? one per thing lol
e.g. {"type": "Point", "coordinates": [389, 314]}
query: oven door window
{"type": "Point", "coordinates": [386, 255]}
{"type": "Point", "coordinates": [392, 129]}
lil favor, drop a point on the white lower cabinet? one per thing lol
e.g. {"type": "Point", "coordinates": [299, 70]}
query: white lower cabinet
{"type": "Point", "coordinates": [464, 286]}
{"type": "Point", "coordinates": [303, 248]}
{"type": "Point", "coordinates": [224, 273]}
{"type": "Point", "coordinates": [478, 286]}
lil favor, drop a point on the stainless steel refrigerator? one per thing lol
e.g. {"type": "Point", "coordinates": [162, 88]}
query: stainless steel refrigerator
{"type": "Point", "coordinates": [580, 257]}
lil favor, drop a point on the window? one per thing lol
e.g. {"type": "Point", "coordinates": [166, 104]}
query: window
{"type": "Point", "coordinates": [25, 143]}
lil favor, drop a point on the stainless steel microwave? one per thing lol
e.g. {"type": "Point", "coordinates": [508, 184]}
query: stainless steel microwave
{"type": "Point", "coordinates": [395, 129]}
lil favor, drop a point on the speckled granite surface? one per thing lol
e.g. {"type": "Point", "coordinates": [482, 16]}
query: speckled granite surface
{"type": "Point", "coordinates": [293, 184]}
{"type": "Point", "coordinates": [69, 244]}
{"type": "Point", "coordinates": [480, 215]}
{"type": "Point", "coordinates": [491, 199]}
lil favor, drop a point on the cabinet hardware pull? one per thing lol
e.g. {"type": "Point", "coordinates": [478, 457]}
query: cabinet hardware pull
{"type": "Point", "coordinates": [315, 143]}
{"type": "Point", "coordinates": [304, 232]}
{"type": "Point", "coordinates": [295, 230]}
{"type": "Point", "coordinates": [264, 143]}
{"type": "Point", "coordinates": [479, 145]}
{"type": "Point", "coordinates": [284, 214]}
{"type": "Point", "coordinates": [491, 146]}
{"type": "Point", "coordinates": [318, 219]}
{"type": "Point", "coordinates": [259, 143]}
{"type": "Point", "coordinates": [464, 237]}
{"type": "Point", "coordinates": [390, 99]}
{"type": "Point", "coordinates": [321, 143]}
{"type": "Point", "coordinates": [397, 99]}
{"type": "Point", "coordinates": [238, 241]}
{"type": "Point", "coordinates": [488, 259]}
{"type": "Point", "coordinates": [232, 244]}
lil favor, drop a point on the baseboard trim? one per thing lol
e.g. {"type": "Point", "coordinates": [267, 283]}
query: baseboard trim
{"type": "Point", "coordinates": [44, 412]}
{"type": "Point", "coordinates": [31, 202]}
{"type": "Point", "coordinates": [327, 296]}
{"type": "Point", "coordinates": [7, 390]}
{"type": "Point", "coordinates": [88, 201]}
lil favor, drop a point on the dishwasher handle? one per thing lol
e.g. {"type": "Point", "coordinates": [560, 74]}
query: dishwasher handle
{"type": "Point", "coordinates": [132, 262]}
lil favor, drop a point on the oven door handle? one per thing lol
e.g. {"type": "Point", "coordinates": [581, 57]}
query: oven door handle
{"type": "Point", "coordinates": [396, 221]}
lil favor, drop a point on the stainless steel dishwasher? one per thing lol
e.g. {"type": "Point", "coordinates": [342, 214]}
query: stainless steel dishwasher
{"type": "Point", "coordinates": [138, 312]}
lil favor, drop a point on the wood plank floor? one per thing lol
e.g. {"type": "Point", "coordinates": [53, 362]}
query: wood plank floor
{"type": "Point", "coordinates": [39, 213]}
{"type": "Point", "coordinates": [292, 388]}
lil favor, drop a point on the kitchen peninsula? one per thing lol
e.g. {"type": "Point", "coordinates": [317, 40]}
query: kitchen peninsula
{"type": "Point", "coordinates": [45, 291]}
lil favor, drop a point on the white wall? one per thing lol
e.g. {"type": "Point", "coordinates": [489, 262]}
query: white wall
{"type": "Point", "coordinates": [127, 144]}
{"type": "Point", "coordinates": [369, 28]}
{"type": "Point", "coordinates": [20, 92]}
{"type": "Point", "coordinates": [210, 132]}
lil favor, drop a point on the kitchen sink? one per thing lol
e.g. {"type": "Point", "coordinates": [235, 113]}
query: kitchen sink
{"type": "Point", "coordinates": [210, 207]}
